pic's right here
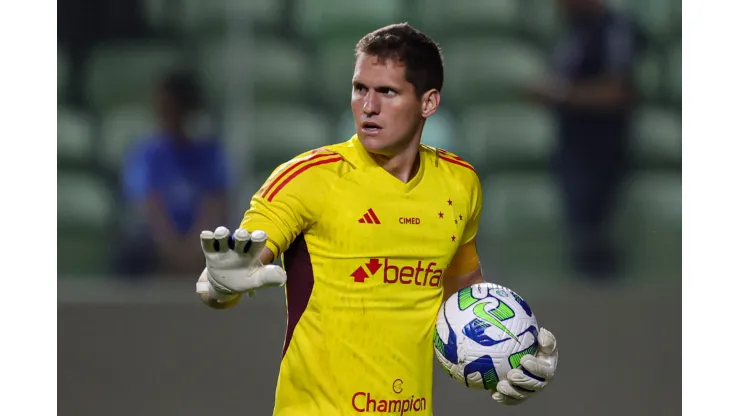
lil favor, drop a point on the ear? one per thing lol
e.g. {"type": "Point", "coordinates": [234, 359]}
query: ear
{"type": "Point", "coordinates": [430, 102]}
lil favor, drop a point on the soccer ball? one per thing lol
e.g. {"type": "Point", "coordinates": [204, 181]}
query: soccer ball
{"type": "Point", "coordinates": [482, 332]}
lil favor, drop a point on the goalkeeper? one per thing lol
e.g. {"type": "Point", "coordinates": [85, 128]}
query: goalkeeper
{"type": "Point", "coordinates": [374, 233]}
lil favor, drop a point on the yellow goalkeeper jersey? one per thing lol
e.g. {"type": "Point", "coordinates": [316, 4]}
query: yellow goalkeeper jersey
{"type": "Point", "coordinates": [365, 255]}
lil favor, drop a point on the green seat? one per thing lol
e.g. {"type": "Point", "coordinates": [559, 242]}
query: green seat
{"type": "Point", "coordinates": [446, 17]}
{"type": "Point", "coordinates": [649, 75]}
{"type": "Point", "coordinates": [84, 213]}
{"type": "Point", "coordinates": [540, 18]}
{"type": "Point", "coordinates": [208, 16]}
{"type": "Point", "coordinates": [350, 19]}
{"type": "Point", "coordinates": [124, 73]}
{"type": "Point", "coordinates": [674, 72]}
{"type": "Point", "coordinates": [278, 69]}
{"type": "Point", "coordinates": [279, 133]}
{"type": "Point", "coordinates": [74, 134]}
{"type": "Point", "coordinates": [657, 134]}
{"type": "Point", "coordinates": [656, 16]}
{"type": "Point", "coordinates": [521, 220]}
{"type": "Point", "coordinates": [478, 70]}
{"type": "Point", "coordinates": [507, 136]}
{"type": "Point", "coordinates": [120, 128]}
{"type": "Point", "coordinates": [652, 224]}
{"type": "Point", "coordinates": [62, 75]}
{"type": "Point", "coordinates": [335, 67]}
{"type": "Point", "coordinates": [439, 130]}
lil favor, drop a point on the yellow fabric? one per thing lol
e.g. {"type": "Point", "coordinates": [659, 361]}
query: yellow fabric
{"type": "Point", "coordinates": [368, 298]}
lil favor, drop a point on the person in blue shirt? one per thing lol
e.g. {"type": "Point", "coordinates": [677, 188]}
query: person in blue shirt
{"type": "Point", "coordinates": [174, 184]}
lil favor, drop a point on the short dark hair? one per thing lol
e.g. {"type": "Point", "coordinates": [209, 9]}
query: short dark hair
{"type": "Point", "coordinates": [184, 88]}
{"type": "Point", "coordinates": [402, 42]}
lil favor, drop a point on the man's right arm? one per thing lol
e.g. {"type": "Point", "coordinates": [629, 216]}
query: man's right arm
{"type": "Point", "coordinates": [285, 206]}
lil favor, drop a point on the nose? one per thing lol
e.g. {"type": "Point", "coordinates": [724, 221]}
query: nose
{"type": "Point", "coordinates": [371, 103]}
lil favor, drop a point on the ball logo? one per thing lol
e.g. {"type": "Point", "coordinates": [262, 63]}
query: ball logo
{"type": "Point", "coordinates": [398, 386]}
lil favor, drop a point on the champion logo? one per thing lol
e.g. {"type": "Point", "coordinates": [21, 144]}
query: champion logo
{"type": "Point", "coordinates": [369, 218]}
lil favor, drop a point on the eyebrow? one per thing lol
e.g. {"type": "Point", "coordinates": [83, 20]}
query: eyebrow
{"type": "Point", "coordinates": [377, 88]}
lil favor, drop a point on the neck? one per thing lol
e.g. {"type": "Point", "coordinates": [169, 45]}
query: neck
{"type": "Point", "coordinates": [403, 165]}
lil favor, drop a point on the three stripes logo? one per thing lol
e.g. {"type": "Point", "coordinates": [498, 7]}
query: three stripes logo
{"type": "Point", "coordinates": [369, 218]}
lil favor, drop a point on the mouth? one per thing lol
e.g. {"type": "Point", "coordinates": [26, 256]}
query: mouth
{"type": "Point", "coordinates": [370, 127]}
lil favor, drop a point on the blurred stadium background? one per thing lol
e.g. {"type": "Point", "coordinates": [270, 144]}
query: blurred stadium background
{"type": "Point", "coordinates": [277, 79]}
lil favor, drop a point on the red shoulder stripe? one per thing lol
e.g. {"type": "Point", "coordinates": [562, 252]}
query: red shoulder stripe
{"type": "Point", "coordinates": [303, 168]}
{"type": "Point", "coordinates": [291, 168]}
{"type": "Point", "coordinates": [457, 161]}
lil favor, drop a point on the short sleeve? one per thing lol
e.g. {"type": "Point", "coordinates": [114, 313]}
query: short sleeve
{"type": "Point", "coordinates": [475, 207]}
{"type": "Point", "coordinates": [290, 201]}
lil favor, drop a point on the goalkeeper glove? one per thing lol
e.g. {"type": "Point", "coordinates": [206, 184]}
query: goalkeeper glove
{"type": "Point", "coordinates": [521, 384]}
{"type": "Point", "coordinates": [233, 266]}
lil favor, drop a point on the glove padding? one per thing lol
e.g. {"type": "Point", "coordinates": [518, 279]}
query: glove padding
{"type": "Point", "coordinates": [521, 384]}
{"type": "Point", "coordinates": [232, 262]}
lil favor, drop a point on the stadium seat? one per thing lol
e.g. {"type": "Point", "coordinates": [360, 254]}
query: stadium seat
{"type": "Point", "coordinates": [439, 130]}
{"type": "Point", "coordinates": [655, 16]}
{"type": "Point", "coordinates": [507, 136]}
{"type": "Point", "coordinates": [124, 73]}
{"type": "Point", "coordinates": [541, 19]}
{"type": "Point", "coordinates": [215, 15]}
{"type": "Point", "coordinates": [648, 75]}
{"type": "Point", "coordinates": [62, 75]}
{"type": "Point", "coordinates": [484, 69]}
{"type": "Point", "coordinates": [83, 200]}
{"type": "Point", "coordinates": [277, 69]}
{"type": "Point", "coordinates": [348, 19]}
{"type": "Point", "coordinates": [74, 134]}
{"type": "Point", "coordinates": [120, 128]}
{"type": "Point", "coordinates": [193, 16]}
{"type": "Point", "coordinates": [84, 212]}
{"type": "Point", "coordinates": [446, 17]}
{"type": "Point", "coordinates": [335, 66]}
{"type": "Point", "coordinates": [657, 134]}
{"type": "Point", "coordinates": [652, 223]}
{"type": "Point", "coordinates": [674, 72]}
{"type": "Point", "coordinates": [279, 133]}
{"type": "Point", "coordinates": [521, 220]}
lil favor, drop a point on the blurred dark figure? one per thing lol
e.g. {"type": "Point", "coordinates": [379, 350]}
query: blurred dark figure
{"type": "Point", "coordinates": [174, 184]}
{"type": "Point", "coordinates": [592, 95]}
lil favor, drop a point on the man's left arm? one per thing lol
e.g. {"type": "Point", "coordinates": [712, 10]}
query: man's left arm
{"type": "Point", "coordinates": [537, 370]}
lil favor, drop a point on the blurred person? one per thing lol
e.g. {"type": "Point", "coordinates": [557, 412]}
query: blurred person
{"type": "Point", "coordinates": [592, 95]}
{"type": "Point", "coordinates": [174, 183]}
{"type": "Point", "coordinates": [350, 220]}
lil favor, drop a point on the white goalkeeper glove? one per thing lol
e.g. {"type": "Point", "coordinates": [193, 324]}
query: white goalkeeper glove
{"type": "Point", "coordinates": [233, 266]}
{"type": "Point", "coordinates": [539, 369]}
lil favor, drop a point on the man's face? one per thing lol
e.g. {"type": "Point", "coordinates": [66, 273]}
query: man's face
{"type": "Point", "coordinates": [384, 104]}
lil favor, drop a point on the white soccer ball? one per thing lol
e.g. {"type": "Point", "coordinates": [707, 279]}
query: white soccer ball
{"type": "Point", "coordinates": [482, 332]}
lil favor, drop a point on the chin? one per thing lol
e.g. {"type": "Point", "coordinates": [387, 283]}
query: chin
{"type": "Point", "coordinates": [374, 143]}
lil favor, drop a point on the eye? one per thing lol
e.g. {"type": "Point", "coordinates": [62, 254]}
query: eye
{"type": "Point", "coordinates": [359, 87]}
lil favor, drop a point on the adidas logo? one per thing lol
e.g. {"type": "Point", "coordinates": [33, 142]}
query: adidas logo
{"type": "Point", "coordinates": [369, 218]}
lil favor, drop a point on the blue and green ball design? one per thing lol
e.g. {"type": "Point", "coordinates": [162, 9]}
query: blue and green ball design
{"type": "Point", "coordinates": [482, 332]}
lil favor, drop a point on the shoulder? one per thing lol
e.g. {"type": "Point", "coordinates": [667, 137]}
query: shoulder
{"type": "Point", "coordinates": [452, 167]}
{"type": "Point", "coordinates": [310, 172]}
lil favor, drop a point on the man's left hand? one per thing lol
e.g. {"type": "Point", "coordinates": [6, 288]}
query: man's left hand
{"type": "Point", "coordinates": [522, 383]}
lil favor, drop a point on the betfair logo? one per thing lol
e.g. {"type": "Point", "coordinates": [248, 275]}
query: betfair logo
{"type": "Point", "coordinates": [419, 274]}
